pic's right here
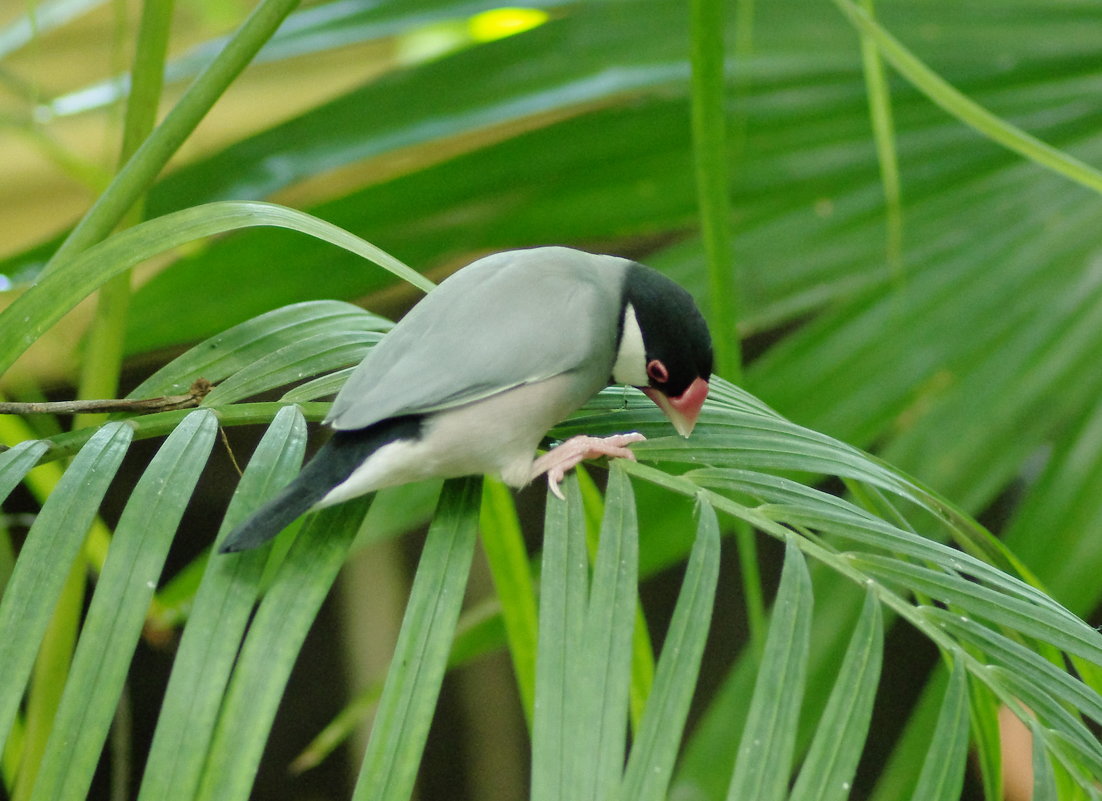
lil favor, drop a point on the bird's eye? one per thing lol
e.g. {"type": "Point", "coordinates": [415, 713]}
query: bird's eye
{"type": "Point", "coordinates": [657, 371]}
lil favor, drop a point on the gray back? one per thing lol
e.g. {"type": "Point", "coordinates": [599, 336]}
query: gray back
{"type": "Point", "coordinates": [508, 319]}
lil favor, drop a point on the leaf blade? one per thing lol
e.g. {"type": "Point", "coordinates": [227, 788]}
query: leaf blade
{"type": "Point", "coordinates": [831, 762]}
{"type": "Point", "coordinates": [59, 290]}
{"type": "Point", "coordinates": [769, 739]}
{"type": "Point", "coordinates": [658, 738]}
{"type": "Point", "coordinates": [17, 461]}
{"type": "Point", "coordinates": [420, 658]}
{"type": "Point", "coordinates": [52, 545]}
{"type": "Point", "coordinates": [599, 705]}
{"type": "Point", "coordinates": [563, 592]}
{"type": "Point", "coordinates": [271, 647]}
{"type": "Point", "coordinates": [115, 616]}
{"type": "Point", "coordinates": [503, 543]}
{"type": "Point", "coordinates": [942, 774]}
{"type": "Point", "coordinates": [212, 636]}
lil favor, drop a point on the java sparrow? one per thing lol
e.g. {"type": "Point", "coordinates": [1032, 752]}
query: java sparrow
{"type": "Point", "coordinates": [472, 378]}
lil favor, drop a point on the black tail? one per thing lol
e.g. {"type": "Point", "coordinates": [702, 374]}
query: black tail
{"type": "Point", "coordinates": [332, 464]}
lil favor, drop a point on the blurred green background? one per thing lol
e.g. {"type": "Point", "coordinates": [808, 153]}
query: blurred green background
{"type": "Point", "coordinates": [958, 334]}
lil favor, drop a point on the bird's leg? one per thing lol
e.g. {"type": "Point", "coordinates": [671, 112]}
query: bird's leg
{"type": "Point", "coordinates": [576, 449]}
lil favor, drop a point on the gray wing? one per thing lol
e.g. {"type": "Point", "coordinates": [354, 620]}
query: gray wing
{"type": "Point", "coordinates": [508, 319]}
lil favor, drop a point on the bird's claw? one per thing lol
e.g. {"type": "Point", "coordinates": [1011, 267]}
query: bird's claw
{"type": "Point", "coordinates": [554, 478]}
{"type": "Point", "coordinates": [576, 449]}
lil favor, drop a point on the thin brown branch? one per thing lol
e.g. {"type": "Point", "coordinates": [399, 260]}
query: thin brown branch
{"type": "Point", "coordinates": [166, 403]}
{"type": "Point", "coordinates": [229, 450]}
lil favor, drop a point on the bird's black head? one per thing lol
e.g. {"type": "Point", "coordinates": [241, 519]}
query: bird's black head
{"type": "Point", "coordinates": [673, 362]}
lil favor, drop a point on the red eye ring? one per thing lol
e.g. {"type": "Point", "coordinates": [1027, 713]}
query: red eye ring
{"type": "Point", "coordinates": [657, 371]}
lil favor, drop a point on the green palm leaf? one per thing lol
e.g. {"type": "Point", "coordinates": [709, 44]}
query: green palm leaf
{"type": "Point", "coordinates": [658, 739]}
{"type": "Point", "coordinates": [601, 667]}
{"type": "Point", "coordinates": [45, 560]}
{"type": "Point", "coordinates": [769, 739]}
{"type": "Point", "coordinates": [563, 593]}
{"type": "Point", "coordinates": [417, 669]}
{"type": "Point", "coordinates": [216, 626]}
{"type": "Point", "coordinates": [831, 761]}
{"type": "Point", "coordinates": [271, 647]}
{"type": "Point", "coordinates": [114, 620]}
{"type": "Point", "coordinates": [943, 773]}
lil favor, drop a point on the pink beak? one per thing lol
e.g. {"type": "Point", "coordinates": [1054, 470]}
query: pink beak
{"type": "Point", "coordinates": [685, 408]}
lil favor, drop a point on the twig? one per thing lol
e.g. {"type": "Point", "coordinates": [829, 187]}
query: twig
{"type": "Point", "coordinates": [165, 403]}
{"type": "Point", "coordinates": [229, 450]}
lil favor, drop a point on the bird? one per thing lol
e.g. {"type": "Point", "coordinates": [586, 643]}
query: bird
{"type": "Point", "coordinates": [470, 380]}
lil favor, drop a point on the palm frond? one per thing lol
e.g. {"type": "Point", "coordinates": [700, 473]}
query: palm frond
{"type": "Point", "coordinates": [417, 669]}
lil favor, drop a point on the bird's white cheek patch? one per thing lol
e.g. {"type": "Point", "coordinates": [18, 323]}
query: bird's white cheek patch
{"type": "Point", "coordinates": [630, 366]}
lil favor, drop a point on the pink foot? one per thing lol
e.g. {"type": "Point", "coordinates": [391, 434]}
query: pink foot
{"type": "Point", "coordinates": [576, 449]}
